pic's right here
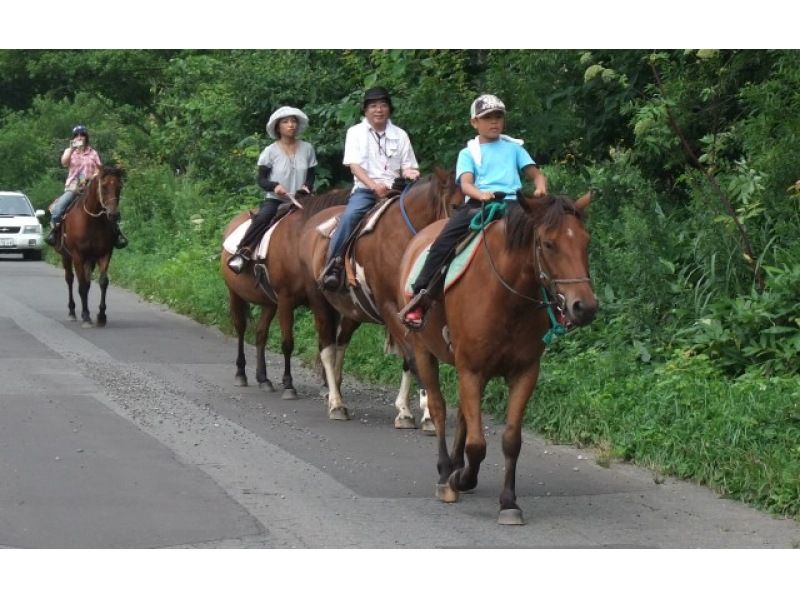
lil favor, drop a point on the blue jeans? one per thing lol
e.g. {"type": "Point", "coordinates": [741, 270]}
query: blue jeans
{"type": "Point", "coordinates": [60, 206]}
{"type": "Point", "coordinates": [359, 204]}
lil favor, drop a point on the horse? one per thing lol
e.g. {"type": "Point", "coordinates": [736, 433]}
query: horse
{"type": "Point", "coordinates": [373, 261]}
{"type": "Point", "coordinates": [528, 274]}
{"type": "Point", "coordinates": [280, 287]}
{"type": "Point", "coordinates": [87, 239]}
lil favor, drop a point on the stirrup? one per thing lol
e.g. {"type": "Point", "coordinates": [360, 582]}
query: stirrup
{"type": "Point", "coordinates": [237, 262]}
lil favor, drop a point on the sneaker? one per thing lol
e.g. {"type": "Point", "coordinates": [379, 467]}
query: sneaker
{"type": "Point", "coordinates": [414, 318]}
{"type": "Point", "coordinates": [236, 263]}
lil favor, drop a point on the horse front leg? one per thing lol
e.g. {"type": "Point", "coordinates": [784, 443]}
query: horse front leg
{"type": "Point", "coordinates": [520, 389]}
{"type": "Point", "coordinates": [103, 282]}
{"type": "Point", "coordinates": [262, 333]}
{"type": "Point", "coordinates": [286, 319]}
{"type": "Point", "coordinates": [69, 277]}
{"type": "Point", "coordinates": [470, 390]}
{"type": "Point", "coordinates": [84, 283]}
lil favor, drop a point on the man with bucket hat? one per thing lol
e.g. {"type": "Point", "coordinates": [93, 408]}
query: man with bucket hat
{"type": "Point", "coordinates": [377, 152]}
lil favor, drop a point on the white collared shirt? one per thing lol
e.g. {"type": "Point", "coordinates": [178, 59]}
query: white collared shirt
{"type": "Point", "coordinates": [381, 155]}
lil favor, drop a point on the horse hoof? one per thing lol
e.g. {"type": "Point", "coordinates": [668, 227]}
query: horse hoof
{"type": "Point", "coordinates": [72, 318]}
{"type": "Point", "coordinates": [428, 427]}
{"type": "Point", "coordinates": [405, 423]}
{"type": "Point", "coordinates": [266, 385]}
{"type": "Point", "coordinates": [445, 493]}
{"type": "Point", "coordinates": [339, 413]}
{"type": "Point", "coordinates": [510, 517]}
{"type": "Point", "coordinates": [240, 381]}
{"type": "Point", "coordinates": [87, 324]}
{"type": "Point", "coordinates": [289, 394]}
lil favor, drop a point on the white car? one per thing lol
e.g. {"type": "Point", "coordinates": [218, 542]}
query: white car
{"type": "Point", "coordinates": [20, 229]}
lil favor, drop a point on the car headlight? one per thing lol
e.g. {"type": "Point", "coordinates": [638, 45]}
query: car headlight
{"type": "Point", "coordinates": [30, 229]}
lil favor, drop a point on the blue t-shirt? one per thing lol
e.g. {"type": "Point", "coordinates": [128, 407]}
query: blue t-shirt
{"type": "Point", "coordinates": [501, 163]}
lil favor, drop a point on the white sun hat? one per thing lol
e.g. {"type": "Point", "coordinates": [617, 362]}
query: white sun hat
{"type": "Point", "coordinates": [283, 112]}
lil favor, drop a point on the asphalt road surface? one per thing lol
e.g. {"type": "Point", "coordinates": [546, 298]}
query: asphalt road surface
{"type": "Point", "coordinates": [134, 436]}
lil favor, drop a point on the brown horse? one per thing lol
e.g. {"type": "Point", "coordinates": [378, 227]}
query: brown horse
{"type": "Point", "coordinates": [281, 288]}
{"type": "Point", "coordinates": [374, 261]}
{"type": "Point", "coordinates": [87, 239]}
{"type": "Point", "coordinates": [492, 322]}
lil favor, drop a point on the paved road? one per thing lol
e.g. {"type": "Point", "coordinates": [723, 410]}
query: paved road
{"type": "Point", "coordinates": [134, 436]}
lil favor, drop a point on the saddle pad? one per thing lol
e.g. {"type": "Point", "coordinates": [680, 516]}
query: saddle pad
{"type": "Point", "coordinates": [231, 243]}
{"type": "Point", "coordinates": [455, 270]}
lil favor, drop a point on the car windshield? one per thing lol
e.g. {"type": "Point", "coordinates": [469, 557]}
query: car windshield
{"type": "Point", "coordinates": [15, 205]}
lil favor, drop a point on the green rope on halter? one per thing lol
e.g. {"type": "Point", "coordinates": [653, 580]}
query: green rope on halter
{"type": "Point", "coordinates": [556, 329]}
{"type": "Point", "coordinates": [492, 210]}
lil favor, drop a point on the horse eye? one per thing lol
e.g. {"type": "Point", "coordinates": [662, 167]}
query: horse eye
{"type": "Point", "coordinates": [549, 245]}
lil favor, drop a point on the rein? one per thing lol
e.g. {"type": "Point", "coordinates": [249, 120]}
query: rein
{"type": "Point", "coordinates": [104, 209]}
{"type": "Point", "coordinates": [442, 213]}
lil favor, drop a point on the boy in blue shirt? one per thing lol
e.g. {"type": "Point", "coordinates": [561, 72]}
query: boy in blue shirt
{"type": "Point", "coordinates": [490, 163]}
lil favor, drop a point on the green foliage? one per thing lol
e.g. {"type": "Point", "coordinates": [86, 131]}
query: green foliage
{"type": "Point", "coordinates": [671, 372]}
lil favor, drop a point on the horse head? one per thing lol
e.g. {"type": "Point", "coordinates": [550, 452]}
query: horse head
{"type": "Point", "coordinates": [561, 257]}
{"type": "Point", "coordinates": [105, 198]}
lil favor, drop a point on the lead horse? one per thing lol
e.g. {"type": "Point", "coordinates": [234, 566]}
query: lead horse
{"type": "Point", "coordinates": [87, 239]}
{"type": "Point", "coordinates": [530, 265]}
{"type": "Point", "coordinates": [374, 260]}
{"type": "Point", "coordinates": [281, 289]}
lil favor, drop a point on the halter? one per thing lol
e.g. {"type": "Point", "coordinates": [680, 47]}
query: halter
{"type": "Point", "coordinates": [547, 283]}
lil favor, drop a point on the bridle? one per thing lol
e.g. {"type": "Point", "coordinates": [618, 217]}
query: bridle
{"type": "Point", "coordinates": [441, 211]}
{"type": "Point", "coordinates": [548, 284]}
{"type": "Point", "coordinates": [100, 200]}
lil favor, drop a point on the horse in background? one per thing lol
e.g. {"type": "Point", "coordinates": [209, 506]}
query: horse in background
{"type": "Point", "coordinates": [371, 270]}
{"type": "Point", "coordinates": [275, 284]}
{"type": "Point", "coordinates": [529, 273]}
{"type": "Point", "coordinates": [87, 238]}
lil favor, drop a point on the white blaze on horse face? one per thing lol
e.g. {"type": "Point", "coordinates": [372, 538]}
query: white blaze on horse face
{"type": "Point", "coordinates": [570, 233]}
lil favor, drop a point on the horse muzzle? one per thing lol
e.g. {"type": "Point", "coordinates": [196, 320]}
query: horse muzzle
{"type": "Point", "coordinates": [114, 216]}
{"type": "Point", "coordinates": [580, 309]}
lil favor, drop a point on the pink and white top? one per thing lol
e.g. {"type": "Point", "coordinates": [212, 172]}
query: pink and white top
{"type": "Point", "coordinates": [83, 165]}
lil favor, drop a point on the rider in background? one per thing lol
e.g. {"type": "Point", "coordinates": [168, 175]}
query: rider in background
{"type": "Point", "coordinates": [490, 163]}
{"type": "Point", "coordinates": [83, 163]}
{"type": "Point", "coordinates": [284, 168]}
{"type": "Point", "coordinates": [377, 152]}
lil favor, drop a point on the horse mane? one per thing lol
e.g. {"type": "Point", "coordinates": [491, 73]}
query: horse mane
{"type": "Point", "coordinates": [547, 211]}
{"type": "Point", "coordinates": [312, 204]}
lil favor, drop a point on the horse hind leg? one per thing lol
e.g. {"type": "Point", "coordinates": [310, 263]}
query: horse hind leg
{"type": "Point", "coordinates": [405, 419]}
{"type": "Point", "coordinates": [238, 310]}
{"type": "Point", "coordinates": [262, 333]}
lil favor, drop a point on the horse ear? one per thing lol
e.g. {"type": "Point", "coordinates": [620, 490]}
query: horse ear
{"type": "Point", "coordinates": [441, 175]}
{"type": "Point", "coordinates": [582, 202]}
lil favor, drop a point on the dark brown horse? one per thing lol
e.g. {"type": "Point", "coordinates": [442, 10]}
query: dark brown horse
{"type": "Point", "coordinates": [280, 287]}
{"type": "Point", "coordinates": [492, 322]}
{"type": "Point", "coordinates": [374, 264]}
{"type": "Point", "coordinates": [87, 239]}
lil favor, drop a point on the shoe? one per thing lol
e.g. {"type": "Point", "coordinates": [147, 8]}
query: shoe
{"type": "Point", "coordinates": [51, 237]}
{"type": "Point", "coordinates": [414, 318]}
{"type": "Point", "coordinates": [237, 263]}
{"type": "Point", "coordinates": [333, 275]}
